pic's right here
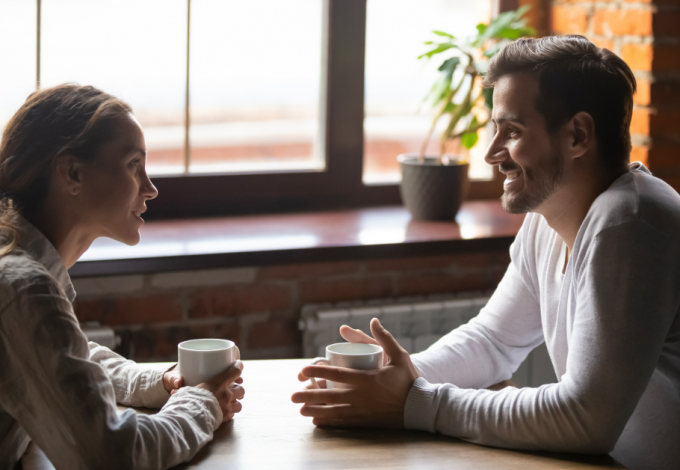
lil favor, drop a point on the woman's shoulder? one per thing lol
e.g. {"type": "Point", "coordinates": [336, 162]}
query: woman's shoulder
{"type": "Point", "coordinates": [22, 275]}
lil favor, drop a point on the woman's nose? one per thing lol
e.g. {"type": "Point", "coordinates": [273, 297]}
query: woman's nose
{"type": "Point", "coordinates": [148, 190]}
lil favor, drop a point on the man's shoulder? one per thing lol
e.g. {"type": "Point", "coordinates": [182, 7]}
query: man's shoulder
{"type": "Point", "coordinates": [636, 198]}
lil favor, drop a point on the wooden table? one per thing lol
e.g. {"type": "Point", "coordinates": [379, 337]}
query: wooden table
{"type": "Point", "coordinates": [270, 434]}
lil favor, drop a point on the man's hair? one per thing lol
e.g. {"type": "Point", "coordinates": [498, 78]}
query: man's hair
{"type": "Point", "coordinates": [574, 75]}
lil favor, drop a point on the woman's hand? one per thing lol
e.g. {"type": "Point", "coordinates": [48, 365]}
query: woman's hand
{"type": "Point", "coordinates": [227, 389]}
{"type": "Point", "coordinates": [376, 398]}
{"type": "Point", "coordinates": [172, 380]}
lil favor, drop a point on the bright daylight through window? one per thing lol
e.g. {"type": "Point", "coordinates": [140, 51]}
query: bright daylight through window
{"type": "Point", "coordinates": [253, 79]}
{"type": "Point", "coordinates": [397, 117]}
{"type": "Point", "coordinates": [248, 99]}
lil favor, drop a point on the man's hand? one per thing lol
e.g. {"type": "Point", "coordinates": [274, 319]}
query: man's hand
{"type": "Point", "coordinates": [377, 397]}
{"type": "Point", "coordinates": [227, 389]}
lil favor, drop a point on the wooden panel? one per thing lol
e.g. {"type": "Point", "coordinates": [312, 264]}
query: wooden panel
{"type": "Point", "coordinates": [295, 238]}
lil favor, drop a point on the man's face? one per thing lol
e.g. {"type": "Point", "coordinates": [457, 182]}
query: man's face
{"type": "Point", "coordinates": [523, 149]}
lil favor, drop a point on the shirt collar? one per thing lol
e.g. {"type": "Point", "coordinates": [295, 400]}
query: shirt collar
{"type": "Point", "coordinates": [640, 167]}
{"type": "Point", "coordinates": [40, 248]}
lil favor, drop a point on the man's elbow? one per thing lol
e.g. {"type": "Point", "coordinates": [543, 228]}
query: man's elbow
{"type": "Point", "coordinates": [600, 443]}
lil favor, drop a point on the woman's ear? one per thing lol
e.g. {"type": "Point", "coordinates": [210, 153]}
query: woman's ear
{"type": "Point", "coordinates": [69, 173]}
{"type": "Point", "coordinates": [581, 135]}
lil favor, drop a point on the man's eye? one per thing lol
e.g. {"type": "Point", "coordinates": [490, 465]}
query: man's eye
{"type": "Point", "coordinates": [511, 132]}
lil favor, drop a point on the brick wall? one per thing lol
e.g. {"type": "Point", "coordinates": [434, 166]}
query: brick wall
{"type": "Point", "coordinates": [646, 34]}
{"type": "Point", "coordinates": [259, 307]}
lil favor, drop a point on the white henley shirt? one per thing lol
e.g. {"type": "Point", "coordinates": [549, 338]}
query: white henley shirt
{"type": "Point", "coordinates": [611, 324]}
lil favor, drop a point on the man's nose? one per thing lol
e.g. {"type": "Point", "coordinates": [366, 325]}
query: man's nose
{"type": "Point", "coordinates": [495, 153]}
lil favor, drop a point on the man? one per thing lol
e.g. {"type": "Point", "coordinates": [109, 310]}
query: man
{"type": "Point", "coordinates": [595, 273]}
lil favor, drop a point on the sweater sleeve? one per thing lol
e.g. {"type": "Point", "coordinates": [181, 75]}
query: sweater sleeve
{"type": "Point", "coordinates": [134, 384]}
{"type": "Point", "coordinates": [624, 309]}
{"type": "Point", "coordinates": [66, 402]}
{"type": "Point", "coordinates": [491, 347]}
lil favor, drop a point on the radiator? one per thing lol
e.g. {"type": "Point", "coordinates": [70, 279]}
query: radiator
{"type": "Point", "coordinates": [415, 323]}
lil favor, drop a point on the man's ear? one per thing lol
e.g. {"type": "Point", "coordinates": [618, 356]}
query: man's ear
{"type": "Point", "coordinates": [580, 134]}
{"type": "Point", "coordinates": [69, 174]}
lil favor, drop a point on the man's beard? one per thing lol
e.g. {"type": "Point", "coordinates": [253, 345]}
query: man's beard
{"type": "Point", "coordinates": [539, 183]}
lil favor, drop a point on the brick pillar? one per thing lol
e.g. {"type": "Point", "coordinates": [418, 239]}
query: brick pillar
{"type": "Point", "coordinates": [646, 34]}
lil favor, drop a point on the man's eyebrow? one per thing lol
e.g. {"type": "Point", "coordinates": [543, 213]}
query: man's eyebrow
{"type": "Point", "coordinates": [508, 117]}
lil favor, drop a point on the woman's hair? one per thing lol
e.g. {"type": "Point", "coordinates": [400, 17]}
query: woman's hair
{"type": "Point", "coordinates": [575, 75]}
{"type": "Point", "coordinates": [63, 120]}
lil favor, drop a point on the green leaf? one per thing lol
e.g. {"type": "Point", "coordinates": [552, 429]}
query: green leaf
{"type": "Point", "coordinates": [450, 108]}
{"type": "Point", "coordinates": [493, 50]}
{"type": "Point", "coordinates": [488, 97]}
{"type": "Point", "coordinates": [481, 27]}
{"type": "Point", "coordinates": [449, 65]}
{"type": "Point", "coordinates": [482, 66]}
{"type": "Point", "coordinates": [469, 140]}
{"type": "Point", "coordinates": [428, 43]}
{"type": "Point", "coordinates": [437, 50]}
{"type": "Point", "coordinates": [508, 25]}
{"type": "Point", "coordinates": [442, 33]}
{"type": "Point", "coordinates": [441, 87]}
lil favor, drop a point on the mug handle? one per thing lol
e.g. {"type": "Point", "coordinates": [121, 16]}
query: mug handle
{"type": "Point", "coordinates": [318, 360]}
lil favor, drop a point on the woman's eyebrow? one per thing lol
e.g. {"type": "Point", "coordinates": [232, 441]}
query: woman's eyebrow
{"type": "Point", "coordinates": [132, 150]}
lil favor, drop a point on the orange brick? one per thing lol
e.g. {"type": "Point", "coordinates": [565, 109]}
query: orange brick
{"type": "Point", "coordinates": [639, 124]}
{"type": "Point", "coordinates": [674, 182]}
{"type": "Point", "coordinates": [662, 156]}
{"type": "Point", "coordinates": [274, 334]}
{"type": "Point", "coordinates": [443, 283]}
{"type": "Point", "coordinates": [131, 310]}
{"type": "Point", "coordinates": [301, 271]}
{"type": "Point", "coordinates": [639, 154]}
{"type": "Point", "coordinates": [638, 56]}
{"type": "Point", "coordinates": [666, 23]}
{"type": "Point", "coordinates": [622, 22]}
{"type": "Point", "coordinates": [655, 2]}
{"type": "Point", "coordinates": [666, 58]}
{"type": "Point", "coordinates": [666, 93]}
{"type": "Point", "coordinates": [236, 300]}
{"type": "Point", "coordinates": [643, 95]}
{"type": "Point", "coordinates": [326, 290]}
{"type": "Point", "coordinates": [603, 43]}
{"type": "Point", "coordinates": [665, 123]}
{"type": "Point", "coordinates": [420, 263]}
{"type": "Point", "coordinates": [569, 20]}
{"type": "Point", "coordinates": [160, 344]}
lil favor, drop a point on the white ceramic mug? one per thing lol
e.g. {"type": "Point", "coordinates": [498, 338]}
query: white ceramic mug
{"type": "Point", "coordinates": [203, 359]}
{"type": "Point", "coordinates": [350, 355]}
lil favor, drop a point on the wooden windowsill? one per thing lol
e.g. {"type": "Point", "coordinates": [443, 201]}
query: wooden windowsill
{"type": "Point", "coordinates": [259, 240]}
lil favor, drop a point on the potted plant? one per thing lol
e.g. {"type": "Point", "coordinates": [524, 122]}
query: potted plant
{"type": "Point", "coordinates": [432, 186]}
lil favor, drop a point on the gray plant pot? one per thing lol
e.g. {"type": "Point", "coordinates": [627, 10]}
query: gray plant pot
{"type": "Point", "coordinates": [432, 191]}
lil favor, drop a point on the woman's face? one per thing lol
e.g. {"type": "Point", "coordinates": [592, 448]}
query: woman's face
{"type": "Point", "coordinates": [115, 186]}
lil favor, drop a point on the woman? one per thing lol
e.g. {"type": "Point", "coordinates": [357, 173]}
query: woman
{"type": "Point", "coordinates": [72, 169]}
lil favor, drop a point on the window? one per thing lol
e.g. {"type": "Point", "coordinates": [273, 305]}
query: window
{"type": "Point", "coordinates": [17, 55]}
{"type": "Point", "coordinates": [397, 119]}
{"type": "Point", "coordinates": [136, 54]}
{"type": "Point", "coordinates": [254, 85]}
{"type": "Point", "coordinates": [246, 106]}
